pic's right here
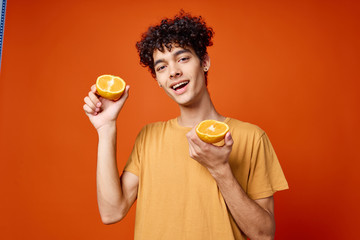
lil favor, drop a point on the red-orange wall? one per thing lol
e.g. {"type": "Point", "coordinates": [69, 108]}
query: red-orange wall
{"type": "Point", "coordinates": [291, 67]}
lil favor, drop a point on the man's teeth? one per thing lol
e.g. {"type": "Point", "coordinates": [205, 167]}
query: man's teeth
{"type": "Point", "coordinates": [179, 85]}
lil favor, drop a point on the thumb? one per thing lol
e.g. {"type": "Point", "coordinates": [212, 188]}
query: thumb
{"type": "Point", "coordinates": [126, 94]}
{"type": "Point", "coordinates": [228, 139]}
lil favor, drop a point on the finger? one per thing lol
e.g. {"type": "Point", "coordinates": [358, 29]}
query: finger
{"type": "Point", "coordinates": [88, 110]}
{"type": "Point", "coordinates": [191, 151]}
{"type": "Point", "coordinates": [228, 140]}
{"type": "Point", "coordinates": [191, 144]}
{"type": "Point", "coordinates": [126, 93]}
{"type": "Point", "coordinates": [91, 104]}
{"type": "Point", "coordinates": [190, 136]}
{"type": "Point", "coordinates": [197, 141]}
{"type": "Point", "coordinates": [194, 150]}
{"type": "Point", "coordinates": [94, 99]}
{"type": "Point", "coordinates": [192, 133]}
{"type": "Point", "coordinates": [127, 89]}
{"type": "Point", "coordinates": [197, 149]}
{"type": "Point", "coordinates": [123, 98]}
{"type": "Point", "coordinates": [93, 88]}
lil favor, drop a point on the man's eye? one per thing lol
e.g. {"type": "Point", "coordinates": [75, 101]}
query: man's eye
{"type": "Point", "coordinates": [184, 59]}
{"type": "Point", "coordinates": [160, 68]}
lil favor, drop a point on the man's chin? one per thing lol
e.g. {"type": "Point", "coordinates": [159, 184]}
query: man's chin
{"type": "Point", "coordinates": [184, 103]}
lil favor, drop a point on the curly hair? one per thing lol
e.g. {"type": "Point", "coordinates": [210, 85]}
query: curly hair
{"type": "Point", "coordinates": [183, 30]}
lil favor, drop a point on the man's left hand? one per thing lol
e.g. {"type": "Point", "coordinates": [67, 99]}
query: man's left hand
{"type": "Point", "coordinates": [210, 156]}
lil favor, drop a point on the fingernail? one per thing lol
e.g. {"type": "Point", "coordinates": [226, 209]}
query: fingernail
{"type": "Point", "coordinates": [98, 104]}
{"type": "Point", "coordinates": [97, 109]}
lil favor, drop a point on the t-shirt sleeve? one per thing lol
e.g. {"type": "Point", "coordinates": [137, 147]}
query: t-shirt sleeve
{"type": "Point", "coordinates": [266, 176]}
{"type": "Point", "coordinates": [133, 163]}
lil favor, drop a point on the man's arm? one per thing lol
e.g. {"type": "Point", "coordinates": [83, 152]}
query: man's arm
{"type": "Point", "coordinates": [254, 217]}
{"type": "Point", "coordinates": [115, 195]}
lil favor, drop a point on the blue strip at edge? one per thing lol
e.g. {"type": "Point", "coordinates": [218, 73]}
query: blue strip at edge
{"type": "Point", "coordinates": [2, 25]}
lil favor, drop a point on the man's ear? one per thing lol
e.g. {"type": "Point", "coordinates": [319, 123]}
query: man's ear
{"type": "Point", "coordinates": [206, 63]}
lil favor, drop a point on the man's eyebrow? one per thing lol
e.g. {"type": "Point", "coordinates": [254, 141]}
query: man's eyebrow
{"type": "Point", "coordinates": [159, 61]}
{"type": "Point", "coordinates": [177, 53]}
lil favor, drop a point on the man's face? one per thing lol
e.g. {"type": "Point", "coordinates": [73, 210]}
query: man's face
{"type": "Point", "coordinates": [181, 74]}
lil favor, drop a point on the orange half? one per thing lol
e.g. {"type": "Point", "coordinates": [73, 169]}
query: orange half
{"type": "Point", "coordinates": [110, 87]}
{"type": "Point", "coordinates": [211, 131]}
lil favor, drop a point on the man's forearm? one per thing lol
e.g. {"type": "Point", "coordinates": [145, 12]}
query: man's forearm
{"type": "Point", "coordinates": [109, 192]}
{"type": "Point", "coordinates": [252, 219]}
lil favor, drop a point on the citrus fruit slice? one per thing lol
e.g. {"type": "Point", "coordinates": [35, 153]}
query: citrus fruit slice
{"type": "Point", "coordinates": [110, 87]}
{"type": "Point", "coordinates": [211, 131]}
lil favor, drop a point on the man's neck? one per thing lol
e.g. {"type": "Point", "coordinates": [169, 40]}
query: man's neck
{"type": "Point", "coordinates": [195, 113]}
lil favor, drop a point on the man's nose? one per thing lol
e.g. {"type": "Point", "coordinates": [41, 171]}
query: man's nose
{"type": "Point", "coordinates": [175, 72]}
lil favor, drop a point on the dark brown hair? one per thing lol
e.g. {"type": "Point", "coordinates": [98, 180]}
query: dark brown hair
{"type": "Point", "coordinates": [183, 30]}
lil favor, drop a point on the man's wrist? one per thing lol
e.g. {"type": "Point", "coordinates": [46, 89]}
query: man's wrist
{"type": "Point", "coordinates": [221, 171]}
{"type": "Point", "coordinates": [106, 129]}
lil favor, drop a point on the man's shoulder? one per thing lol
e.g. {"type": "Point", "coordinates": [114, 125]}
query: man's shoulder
{"type": "Point", "coordinates": [244, 128]}
{"type": "Point", "coordinates": [157, 126]}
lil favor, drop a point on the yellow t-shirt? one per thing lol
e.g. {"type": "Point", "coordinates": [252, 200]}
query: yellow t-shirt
{"type": "Point", "coordinates": [177, 196]}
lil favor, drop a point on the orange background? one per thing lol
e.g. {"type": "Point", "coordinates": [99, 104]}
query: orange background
{"type": "Point", "coordinates": [291, 67]}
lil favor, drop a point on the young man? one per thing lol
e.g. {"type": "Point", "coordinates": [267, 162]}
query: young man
{"type": "Point", "coordinates": [185, 188]}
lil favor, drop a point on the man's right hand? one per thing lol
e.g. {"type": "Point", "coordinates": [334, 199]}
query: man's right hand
{"type": "Point", "coordinates": [101, 111]}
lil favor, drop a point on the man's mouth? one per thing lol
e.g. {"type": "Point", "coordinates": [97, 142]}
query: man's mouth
{"type": "Point", "coordinates": [180, 85]}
